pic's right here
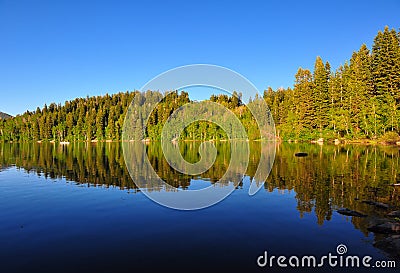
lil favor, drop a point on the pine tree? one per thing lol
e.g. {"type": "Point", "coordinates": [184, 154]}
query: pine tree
{"type": "Point", "coordinates": [386, 63]}
{"type": "Point", "coordinates": [303, 101]}
{"type": "Point", "coordinates": [100, 124]}
{"type": "Point", "coordinates": [69, 124]}
{"type": "Point", "coordinates": [320, 94]}
{"type": "Point", "coordinates": [360, 90]}
{"type": "Point", "coordinates": [35, 129]}
{"type": "Point", "coordinates": [386, 78]}
{"type": "Point", "coordinates": [48, 129]}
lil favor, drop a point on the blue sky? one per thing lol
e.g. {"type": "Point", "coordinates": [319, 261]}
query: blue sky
{"type": "Point", "coordinates": [60, 50]}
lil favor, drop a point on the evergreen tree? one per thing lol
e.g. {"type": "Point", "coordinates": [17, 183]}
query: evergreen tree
{"type": "Point", "coordinates": [360, 90]}
{"type": "Point", "coordinates": [304, 104]}
{"type": "Point", "coordinates": [320, 94]}
{"type": "Point", "coordinates": [359, 99]}
{"type": "Point", "coordinates": [386, 79]}
{"type": "Point", "coordinates": [100, 125]}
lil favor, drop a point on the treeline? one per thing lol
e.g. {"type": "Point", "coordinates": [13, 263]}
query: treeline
{"type": "Point", "coordinates": [100, 117]}
{"type": "Point", "coordinates": [197, 130]}
{"type": "Point", "coordinates": [360, 99]}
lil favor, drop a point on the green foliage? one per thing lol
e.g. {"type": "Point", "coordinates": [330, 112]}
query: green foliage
{"type": "Point", "coordinates": [93, 118]}
{"type": "Point", "coordinates": [320, 94]}
{"type": "Point", "coordinates": [390, 138]}
{"type": "Point", "coordinates": [361, 99]}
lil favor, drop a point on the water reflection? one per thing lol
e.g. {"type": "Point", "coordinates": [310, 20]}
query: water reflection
{"type": "Point", "coordinates": [337, 176]}
{"type": "Point", "coordinates": [330, 177]}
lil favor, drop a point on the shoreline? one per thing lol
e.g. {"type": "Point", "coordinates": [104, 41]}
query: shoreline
{"type": "Point", "coordinates": [365, 142]}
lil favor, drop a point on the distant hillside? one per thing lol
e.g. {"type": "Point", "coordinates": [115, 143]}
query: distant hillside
{"type": "Point", "coordinates": [4, 115]}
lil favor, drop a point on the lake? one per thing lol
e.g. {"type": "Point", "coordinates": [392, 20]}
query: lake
{"type": "Point", "coordinates": [75, 208]}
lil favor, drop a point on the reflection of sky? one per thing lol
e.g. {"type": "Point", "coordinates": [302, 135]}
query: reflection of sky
{"type": "Point", "coordinates": [48, 221]}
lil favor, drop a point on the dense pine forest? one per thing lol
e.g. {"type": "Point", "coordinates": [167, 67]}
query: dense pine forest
{"type": "Point", "coordinates": [359, 100]}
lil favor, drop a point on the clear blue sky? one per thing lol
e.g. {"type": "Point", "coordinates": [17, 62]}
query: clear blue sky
{"type": "Point", "coordinates": [60, 50]}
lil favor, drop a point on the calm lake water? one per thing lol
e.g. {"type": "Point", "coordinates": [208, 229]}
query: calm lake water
{"type": "Point", "coordinates": [75, 208]}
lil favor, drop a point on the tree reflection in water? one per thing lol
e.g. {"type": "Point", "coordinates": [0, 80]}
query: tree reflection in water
{"type": "Point", "coordinates": [330, 177]}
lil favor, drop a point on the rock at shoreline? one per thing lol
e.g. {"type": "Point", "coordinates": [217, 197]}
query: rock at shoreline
{"type": "Point", "coordinates": [376, 204]}
{"type": "Point", "coordinates": [395, 213]}
{"type": "Point", "coordinates": [320, 141]}
{"type": "Point", "coordinates": [301, 154]}
{"type": "Point", "coordinates": [349, 212]}
{"type": "Point", "coordinates": [386, 228]}
{"type": "Point", "coordinates": [391, 245]}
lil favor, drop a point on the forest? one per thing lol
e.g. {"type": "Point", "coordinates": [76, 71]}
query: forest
{"type": "Point", "coordinates": [358, 100]}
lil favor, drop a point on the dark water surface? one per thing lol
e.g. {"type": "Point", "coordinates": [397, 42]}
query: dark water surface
{"type": "Point", "coordinates": [75, 208]}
